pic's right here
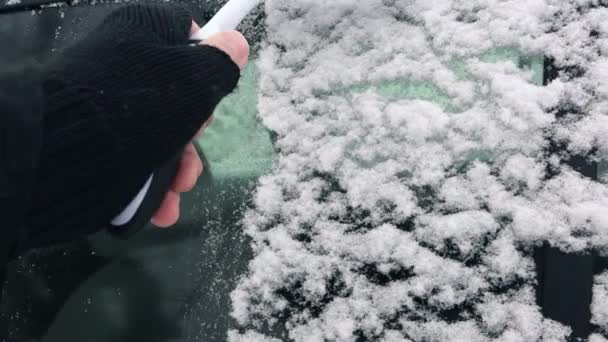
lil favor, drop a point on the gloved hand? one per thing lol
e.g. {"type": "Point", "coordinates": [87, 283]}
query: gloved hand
{"type": "Point", "coordinates": [117, 105]}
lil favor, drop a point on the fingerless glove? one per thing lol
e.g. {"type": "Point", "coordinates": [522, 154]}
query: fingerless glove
{"type": "Point", "coordinates": [117, 105]}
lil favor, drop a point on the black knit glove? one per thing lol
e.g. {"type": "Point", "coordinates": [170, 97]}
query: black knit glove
{"type": "Point", "coordinates": [119, 104]}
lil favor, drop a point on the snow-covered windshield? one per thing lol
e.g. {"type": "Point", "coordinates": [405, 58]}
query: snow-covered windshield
{"type": "Point", "coordinates": [404, 159]}
{"type": "Point", "coordinates": [417, 168]}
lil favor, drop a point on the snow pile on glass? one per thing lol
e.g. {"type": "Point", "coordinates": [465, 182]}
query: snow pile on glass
{"type": "Point", "coordinates": [415, 172]}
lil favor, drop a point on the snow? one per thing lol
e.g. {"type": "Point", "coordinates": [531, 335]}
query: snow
{"type": "Point", "coordinates": [599, 309]}
{"type": "Point", "coordinates": [413, 178]}
{"type": "Point", "coordinates": [250, 336]}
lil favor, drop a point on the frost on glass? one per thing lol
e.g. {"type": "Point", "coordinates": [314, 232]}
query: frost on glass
{"type": "Point", "coordinates": [413, 176]}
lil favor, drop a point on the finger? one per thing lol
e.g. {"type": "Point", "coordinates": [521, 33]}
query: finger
{"type": "Point", "coordinates": [194, 28]}
{"type": "Point", "coordinates": [168, 213]}
{"type": "Point", "coordinates": [190, 169]}
{"type": "Point", "coordinates": [233, 43]}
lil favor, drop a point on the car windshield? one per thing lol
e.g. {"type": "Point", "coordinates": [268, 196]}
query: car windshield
{"type": "Point", "coordinates": [385, 171]}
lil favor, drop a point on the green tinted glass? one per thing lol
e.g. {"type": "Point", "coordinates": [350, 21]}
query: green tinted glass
{"type": "Point", "coordinates": [236, 145]}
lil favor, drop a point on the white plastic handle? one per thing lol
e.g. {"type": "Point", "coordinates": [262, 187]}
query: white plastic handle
{"type": "Point", "coordinates": [227, 18]}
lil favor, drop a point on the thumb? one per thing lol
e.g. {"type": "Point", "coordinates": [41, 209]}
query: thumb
{"type": "Point", "coordinates": [233, 44]}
